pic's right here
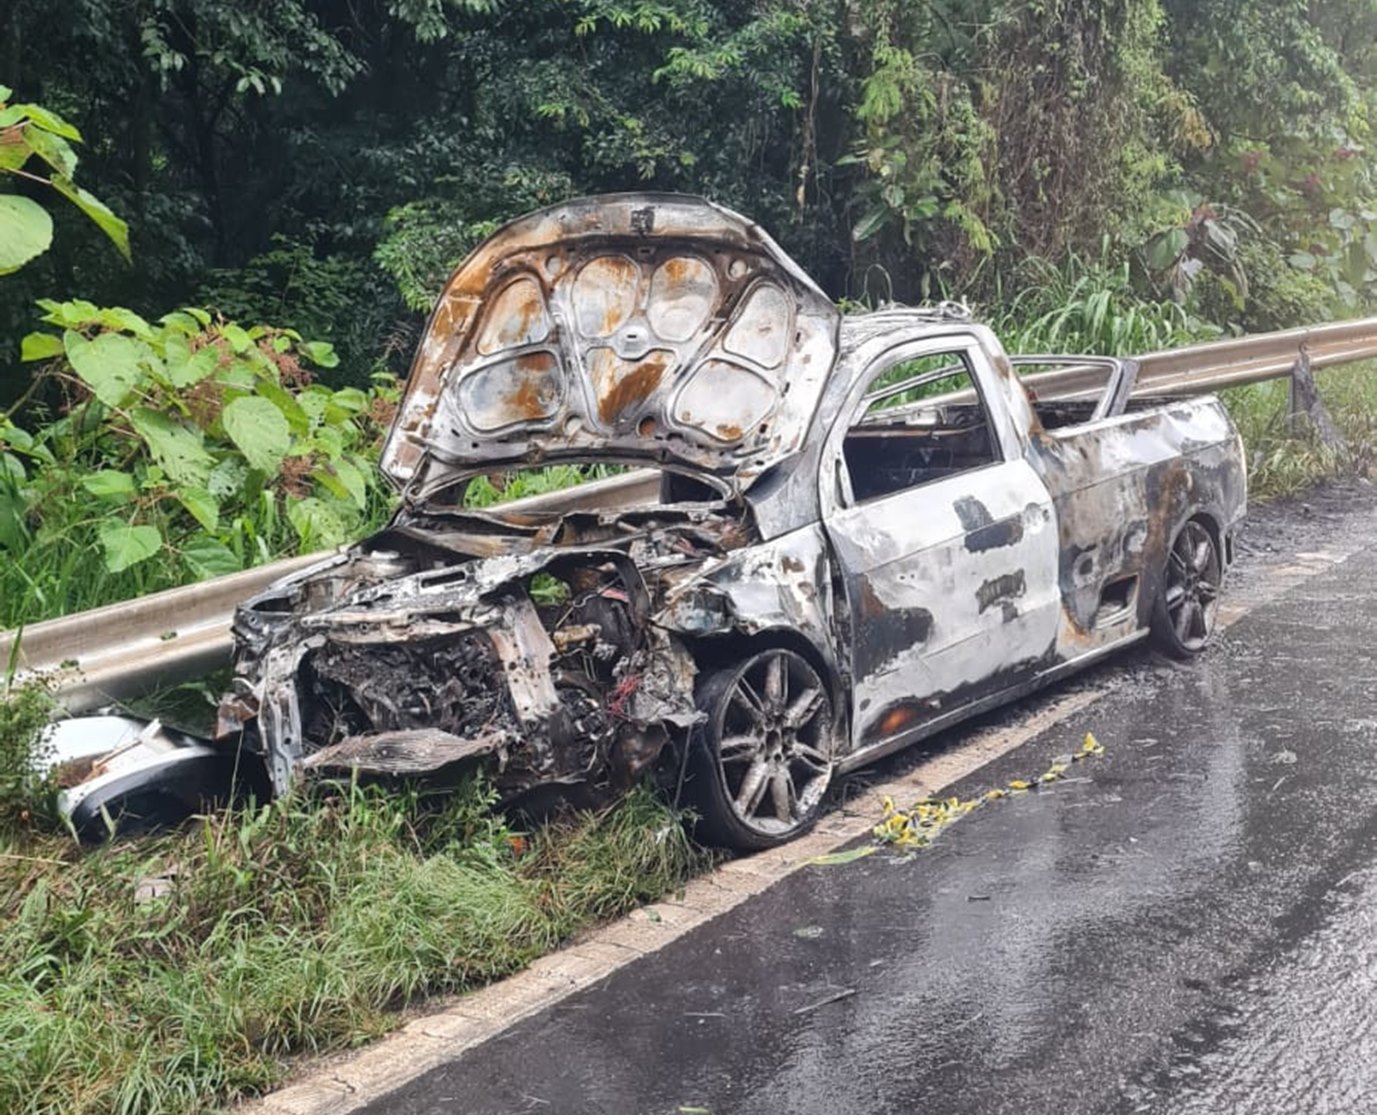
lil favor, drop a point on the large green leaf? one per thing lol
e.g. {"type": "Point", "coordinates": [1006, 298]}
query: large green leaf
{"type": "Point", "coordinates": [870, 224]}
{"type": "Point", "coordinates": [26, 230]}
{"type": "Point", "coordinates": [53, 150]}
{"type": "Point", "coordinates": [111, 365]}
{"type": "Point", "coordinates": [202, 505]}
{"type": "Point", "coordinates": [185, 367]}
{"type": "Point", "coordinates": [14, 149]}
{"type": "Point", "coordinates": [127, 545]}
{"type": "Point", "coordinates": [259, 430]}
{"type": "Point", "coordinates": [1165, 248]}
{"type": "Point", "coordinates": [227, 479]}
{"type": "Point", "coordinates": [109, 483]}
{"type": "Point", "coordinates": [354, 480]}
{"type": "Point", "coordinates": [320, 352]}
{"type": "Point", "coordinates": [40, 346]}
{"type": "Point", "coordinates": [50, 121]}
{"type": "Point", "coordinates": [177, 448]}
{"type": "Point", "coordinates": [286, 402]}
{"type": "Point", "coordinates": [317, 523]}
{"type": "Point", "coordinates": [209, 558]}
{"type": "Point", "coordinates": [97, 210]}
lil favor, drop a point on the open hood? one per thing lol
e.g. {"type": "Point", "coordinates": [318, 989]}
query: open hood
{"type": "Point", "coordinates": [654, 328]}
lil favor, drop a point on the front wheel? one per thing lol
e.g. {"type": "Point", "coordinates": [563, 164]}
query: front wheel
{"type": "Point", "coordinates": [1183, 617]}
{"type": "Point", "coordinates": [764, 760]}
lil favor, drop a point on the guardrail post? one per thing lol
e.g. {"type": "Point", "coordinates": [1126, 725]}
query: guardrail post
{"type": "Point", "coordinates": [1305, 402]}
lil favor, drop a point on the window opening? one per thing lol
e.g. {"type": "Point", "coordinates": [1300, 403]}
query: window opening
{"type": "Point", "coordinates": [920, 420]}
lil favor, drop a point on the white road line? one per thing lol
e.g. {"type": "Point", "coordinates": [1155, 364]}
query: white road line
{"type": "Point", "coordinates": [346, 1082]}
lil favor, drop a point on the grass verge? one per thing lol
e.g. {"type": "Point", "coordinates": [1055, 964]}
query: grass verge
{"type": "Point", "coordinates": [1284, 462]}
{"type": "Point", "coordinates": [168, 974]}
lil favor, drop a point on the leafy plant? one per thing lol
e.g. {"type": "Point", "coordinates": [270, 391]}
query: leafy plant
{"type": "Point", "coordinates": [1208, 237]}
{"type": "Point", "coordinates": [25, 796]}
{"type": "Point", "coordinates": [30, 133]}
{"type": "Point", "coordinates": [193, 441]}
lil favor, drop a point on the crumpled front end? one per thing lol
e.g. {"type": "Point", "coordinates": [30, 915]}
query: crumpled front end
{"type": "Point", "coordinates": [390, 662]}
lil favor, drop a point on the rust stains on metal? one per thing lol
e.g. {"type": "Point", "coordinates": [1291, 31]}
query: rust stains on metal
{"type": "Point", "coordinates": [631, 388]}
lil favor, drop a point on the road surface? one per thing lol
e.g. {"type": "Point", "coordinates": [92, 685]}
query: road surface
{"type": "Point", "coordinates": [1188, 926]}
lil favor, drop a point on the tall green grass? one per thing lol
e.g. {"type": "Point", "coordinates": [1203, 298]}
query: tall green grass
{"type": "Point", "coordinates": [175, 973]}
{"type": "Point", "coordinates": [1285, 458]}
{"type": "Point", "coordinates": [1090, 306]}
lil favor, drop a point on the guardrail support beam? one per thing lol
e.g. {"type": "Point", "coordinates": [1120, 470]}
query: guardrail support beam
{"type": "Point", "coordinates": [1307, 406]}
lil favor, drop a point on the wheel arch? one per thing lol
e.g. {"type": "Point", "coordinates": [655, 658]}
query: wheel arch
{"type": "Point", "coordinates": [712, 653]}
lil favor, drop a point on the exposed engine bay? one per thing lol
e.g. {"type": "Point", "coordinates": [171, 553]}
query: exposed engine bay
{"type": "Point", "coordinates": [528, 641]}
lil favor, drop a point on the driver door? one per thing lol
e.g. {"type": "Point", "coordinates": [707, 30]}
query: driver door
{"type": "Point", "coordinates": [945, 538]}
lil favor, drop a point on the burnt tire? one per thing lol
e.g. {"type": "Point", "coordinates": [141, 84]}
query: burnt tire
{"type": "Point", "coordinates": [1186, 608]}
{"type": "Point", "coordinates": [761, 764]}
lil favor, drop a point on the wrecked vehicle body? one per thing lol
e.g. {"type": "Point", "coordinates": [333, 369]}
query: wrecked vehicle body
{"type": "Point", "coordinates": [835, 536]}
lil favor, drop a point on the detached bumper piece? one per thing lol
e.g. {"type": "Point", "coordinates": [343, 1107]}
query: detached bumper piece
{"type": "Point", "coordinates": [122, 775]}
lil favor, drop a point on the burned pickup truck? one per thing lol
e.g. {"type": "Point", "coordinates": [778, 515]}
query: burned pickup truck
{"type": "Point", "coordinates": [818, 538]}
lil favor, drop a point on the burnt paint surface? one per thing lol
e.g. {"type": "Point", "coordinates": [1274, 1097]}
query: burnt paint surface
{"type": "Point", "coordinates": [982, 531]}
{"type": "Point", "coordinates": [884, 633]}
{"type": "Point", "coordinates": [1003, 590]}
{"type": "Point", "coordinates": [589, 689]}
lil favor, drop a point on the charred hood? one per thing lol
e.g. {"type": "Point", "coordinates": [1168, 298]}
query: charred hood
{"type": "Point", "coordinates": [649, 328]}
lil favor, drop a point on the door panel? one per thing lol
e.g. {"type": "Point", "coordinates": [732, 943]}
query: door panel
{"type": "Point", "coordinates": [952, 592]}
{"type": "Point", "coordinates": [945, 539]}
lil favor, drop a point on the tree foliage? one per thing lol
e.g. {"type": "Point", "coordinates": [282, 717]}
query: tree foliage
{"type": "Point", "coordinates": [190, 443]}
{"type": "Point", "coordinates": [325, 166]}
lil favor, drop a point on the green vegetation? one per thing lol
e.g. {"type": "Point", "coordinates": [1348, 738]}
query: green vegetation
{"type": "Point", "coordinates": [1107, 176]}
{"type": "Point", "coordinates": [1283, 461]}
{"type": "Point", "coordinates": [34, 142]}
{"type": "Point", "coordinates": [184, 449]}
{"type": "Point", "coordinates": [171, 973]}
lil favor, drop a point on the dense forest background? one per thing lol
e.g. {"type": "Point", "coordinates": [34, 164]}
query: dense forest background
{"type": "Point", "coordinates": [1092, 175]}
{"type": "Point", "coordinates": [323, 165]}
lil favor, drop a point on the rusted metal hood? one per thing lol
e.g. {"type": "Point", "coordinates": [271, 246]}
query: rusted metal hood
{"type": "Point", "coordinates": [655, 328]}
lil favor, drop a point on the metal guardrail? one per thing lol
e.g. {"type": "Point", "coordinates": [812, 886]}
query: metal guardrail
{"type": "Point", "coordinates": [1197, 369]}
{"type": "Point", "coordinates": [124, 649]}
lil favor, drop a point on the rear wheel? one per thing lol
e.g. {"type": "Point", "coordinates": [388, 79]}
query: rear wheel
{"type": "Point", "coordinates": [764, 760]}
{"type": "Point", "coordinates": [1183, 618]}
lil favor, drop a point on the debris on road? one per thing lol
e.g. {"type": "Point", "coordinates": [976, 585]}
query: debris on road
{"type": "Point", "coordinates": [919, 826]}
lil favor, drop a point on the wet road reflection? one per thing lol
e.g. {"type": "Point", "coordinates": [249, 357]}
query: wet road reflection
{"type": "Point", "coordinates": [1184, 927]}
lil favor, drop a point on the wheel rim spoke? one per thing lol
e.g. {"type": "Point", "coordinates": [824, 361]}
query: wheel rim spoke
{"type": "Point", "coordinates": [1197, 624]}
{"type": "Point", "coordinates": [750, 698]}
{"type": "Point", "coordinates": [1183, 621]}
{"type": "Point", "coordinates": [1201, 560]}
{"type": "Point", "coordinates": [736, 749]}
{"type": "Point", "coordinates": [776, 683]}
{"type": "Point", "coordinates": [803, 709]}
{"type": "Point", "coordinates": [1175, 594]}
{"type": "Point", "coordinates": [782, 795]}
{"type": "Point", "coordinates": [752, 789]}
{"type": "Point", "coordinates": [1182, 552]}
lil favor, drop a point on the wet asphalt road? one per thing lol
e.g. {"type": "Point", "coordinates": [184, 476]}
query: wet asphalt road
{"type": "Point", "coordinates": [1188, 929]}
